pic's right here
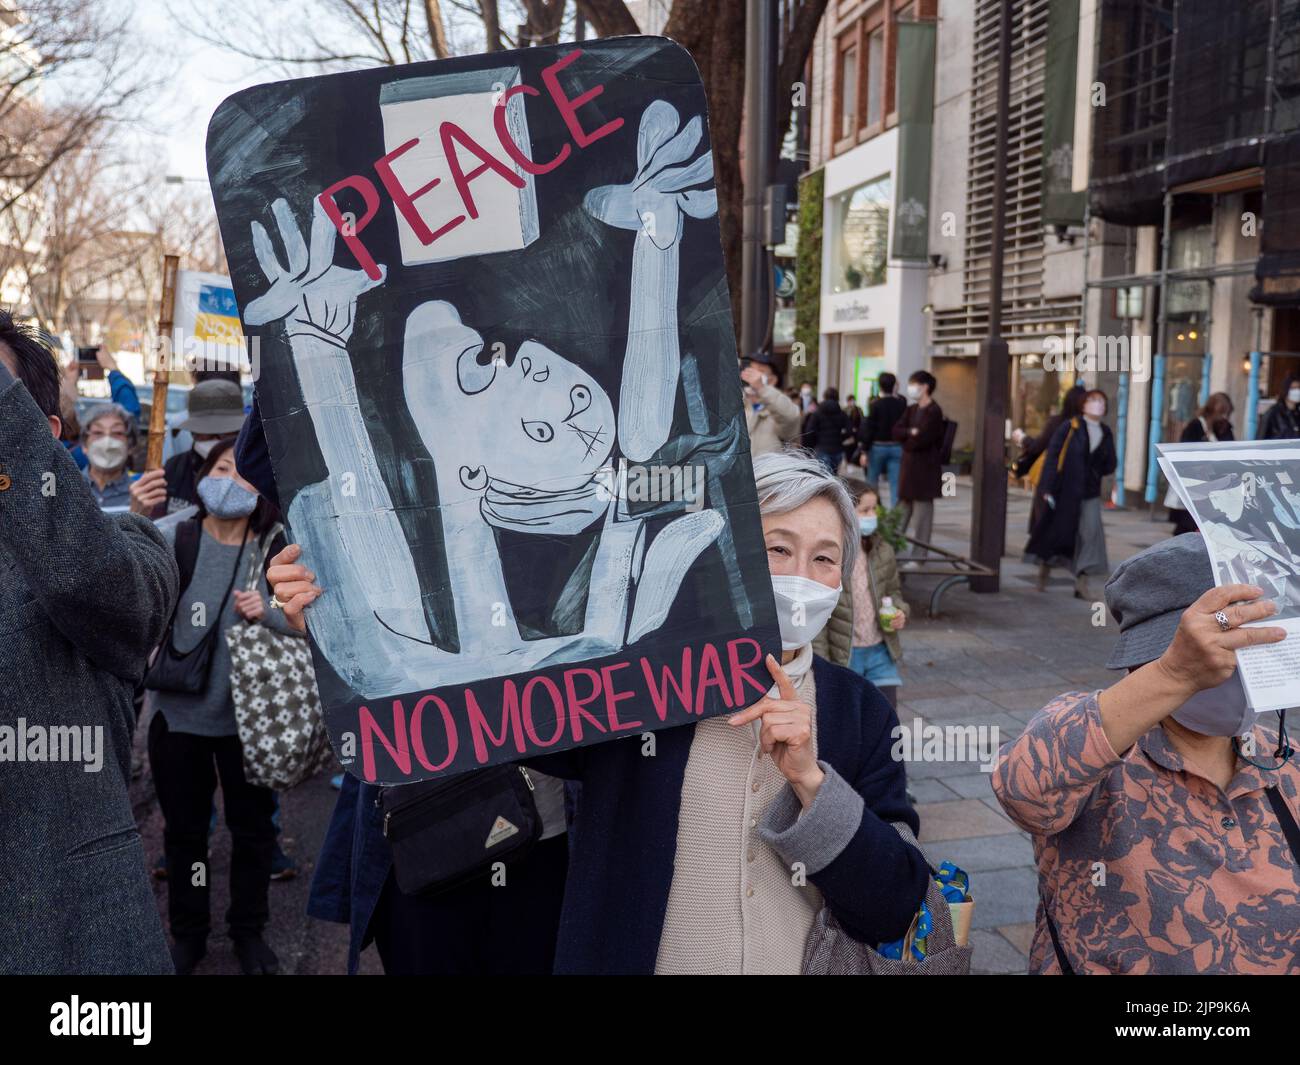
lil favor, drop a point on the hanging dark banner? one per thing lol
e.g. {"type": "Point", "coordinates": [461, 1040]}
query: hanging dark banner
{"type": "Point", "coordinates": [915, 132]}
{"type": "Point", "coordinates": [499, 382]}
{"type": "Point", "coordinates": [1061, 204]}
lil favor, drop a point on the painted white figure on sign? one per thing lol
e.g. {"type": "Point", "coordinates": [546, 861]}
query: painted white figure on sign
{"type": "Point", "coordinates": [520, 441]}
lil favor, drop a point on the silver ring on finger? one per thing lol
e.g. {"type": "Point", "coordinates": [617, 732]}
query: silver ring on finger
{"type": "Point", "coordinates": [275, 602]}
{"type": "Point", "coordinates": [1222, 619]}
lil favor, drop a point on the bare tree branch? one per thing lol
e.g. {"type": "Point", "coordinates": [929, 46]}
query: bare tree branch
{"type": "Point", "coordinates": [437, 31]}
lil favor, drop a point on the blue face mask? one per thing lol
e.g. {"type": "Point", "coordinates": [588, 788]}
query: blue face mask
{"type": "Point", "coordinates": [866, 525]}
{"type": "Point", "coordinates": [223, 498]}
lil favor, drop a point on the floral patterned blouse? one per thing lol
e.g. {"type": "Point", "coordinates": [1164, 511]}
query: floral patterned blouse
{"type": "Point", "coordinates": [1145, 865]}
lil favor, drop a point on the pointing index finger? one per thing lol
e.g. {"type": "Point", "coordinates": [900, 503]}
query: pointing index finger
{"type": "Point", "coordinates": [783, 683]}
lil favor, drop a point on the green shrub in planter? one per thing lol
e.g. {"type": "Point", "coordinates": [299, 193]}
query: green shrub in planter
{"type": "Point", "coordinates": [889, 526]}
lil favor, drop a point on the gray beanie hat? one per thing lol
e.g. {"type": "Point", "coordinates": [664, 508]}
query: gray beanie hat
{"type": "Point", "coordinates": [1147, 594]}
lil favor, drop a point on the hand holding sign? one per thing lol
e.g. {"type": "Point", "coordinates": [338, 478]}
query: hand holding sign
{"type": "Point", "coordinates": [786, 734]}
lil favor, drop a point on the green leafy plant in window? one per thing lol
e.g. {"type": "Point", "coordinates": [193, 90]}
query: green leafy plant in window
{"type": "Point", "coordinates": [808, 271]}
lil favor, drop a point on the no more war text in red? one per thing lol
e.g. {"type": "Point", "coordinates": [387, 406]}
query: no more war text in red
{"type": "Point", "coordinates": [554, 712]}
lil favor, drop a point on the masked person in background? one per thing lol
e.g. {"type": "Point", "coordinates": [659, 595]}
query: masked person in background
{"type": "Point", "coordinates": [919, 429]}
{"type": "Point", "coordinates": [83, 599]}
{"type": "Point", "coordinates": [863, 631]}
{"type": "Point", "coordinates": [108, 437]}
{"type": "Point", "coordinates": [1069, 532]}
{"type": "Point", "coordinates": [771, 416]}
{"type": "Point", "coordinates": [1170, 783]}
{"type": "Point", "coordinates": [193, 739]}
{"type": "Point", "coordinates": [879, 451]}
{"type": "Point", "coordinates": [1213, 423]}
{"type": "Point", "coordinates": [121, 392]}
{"type": "Point", "coordinates": [1282, 422]}
{"type": "Point", "coordinates": [216, 413]}
{"type": "Point", "coordinates": [803, 775]}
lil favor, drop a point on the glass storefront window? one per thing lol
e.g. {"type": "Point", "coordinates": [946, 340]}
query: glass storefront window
{"type": "Point", "coordinates": [860, 253]}
{"type": "Point", "coordinates": [1038, 393]}
{"type": "Point", "coordinates": [1182, 393]}
{"type": "Point", "coordinates": [864, 355]}
{"type": "Point", "coordinates": [848, 92]}
{"type": "Point", "coordinates": [875, 75]}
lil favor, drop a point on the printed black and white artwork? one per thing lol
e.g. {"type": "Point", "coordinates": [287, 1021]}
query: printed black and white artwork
{"type": "Point", "coordinates": [1245, 498]}
{"type": "Point", "coordinates": [498, 375]}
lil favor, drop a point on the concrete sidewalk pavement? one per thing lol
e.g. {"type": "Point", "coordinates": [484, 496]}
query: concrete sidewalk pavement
{"type": "Point", "coordinates": [992, 661]}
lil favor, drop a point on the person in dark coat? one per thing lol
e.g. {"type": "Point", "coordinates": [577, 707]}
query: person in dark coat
{"type": "Point", "coordinates": [1033, 447]}
{"type": "Point", "coordinates": [825, 430]}
{"type": "Point", "coordinates": [83, 600]}
{"type": "Point", "coordinates": [1282, 422]}
{"type": "Point", "coordinates": [920, 430]}
{"type": "Point", "coordinates": [1070, 532]}
{"type": "Point", "coordinates": [1213, 422]}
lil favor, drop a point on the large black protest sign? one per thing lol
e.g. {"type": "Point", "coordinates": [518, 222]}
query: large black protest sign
{"type": "Point", "coordinates": [499, 382]}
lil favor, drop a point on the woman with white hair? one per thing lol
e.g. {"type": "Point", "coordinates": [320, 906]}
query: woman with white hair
{"type": "Point", "coordinates": [710, 848]}
{"type": "Point", "coordinates": [108, 437]}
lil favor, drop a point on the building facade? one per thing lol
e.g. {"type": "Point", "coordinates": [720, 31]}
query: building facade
{"type": "Point", "coordinates": [926, 306]}
{"type": "Point", "coordinates": [871, 109]}
{"type": "Point", "coordinates": [1193, 167]}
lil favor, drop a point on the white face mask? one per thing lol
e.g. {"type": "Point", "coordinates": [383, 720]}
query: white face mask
{"type": "Point", "coordinates": [1293, 395]}
{"type": "Point", "coordinates": [106, 453]}
{"type": "Point", "coordinates": [802, 608]}
{"type": "Point", "coordinates": [203, 448]}
{"type": "Point", "coordinates": [1218, 711]}
{"type": "Point", "coordinates": [913, 392]}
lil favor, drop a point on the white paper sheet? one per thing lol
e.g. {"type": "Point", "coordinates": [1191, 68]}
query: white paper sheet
{"type": "Point", "coordinates": [1245, 498]}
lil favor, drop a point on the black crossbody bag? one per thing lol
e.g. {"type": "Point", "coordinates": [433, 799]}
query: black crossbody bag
{"type": "Point", "coordinates": [1289, 829]}
{"type": "Point", "coordinates": [187, 672]}
{"type": "Point", "coordinates": [444, 833]}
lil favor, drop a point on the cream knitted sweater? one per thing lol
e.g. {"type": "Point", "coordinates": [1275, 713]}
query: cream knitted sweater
{"type": "Point", "coordinates": [734, 906]}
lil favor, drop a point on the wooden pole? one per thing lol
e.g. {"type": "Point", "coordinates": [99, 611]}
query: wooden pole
{"type": "Point", "coordinates": [162, 372]}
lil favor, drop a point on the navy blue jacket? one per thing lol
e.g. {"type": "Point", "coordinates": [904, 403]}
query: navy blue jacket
{"type": "Point", "coordinates": [624, 843]}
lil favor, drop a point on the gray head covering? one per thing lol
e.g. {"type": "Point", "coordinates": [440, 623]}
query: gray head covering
{"type": "Point", "coordinates": [215, 407]}
{"type": "Point", "coordinates": [1147, 594]}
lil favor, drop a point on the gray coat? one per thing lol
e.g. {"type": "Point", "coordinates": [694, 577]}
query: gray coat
{"type": "Point", "coordinates": [83, 599]}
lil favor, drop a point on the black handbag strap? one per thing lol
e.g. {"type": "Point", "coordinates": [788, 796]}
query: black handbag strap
{"type": "Point", "coordinates": [1066, 968]}
{"type": "Point", "coordinates": [188, 536]}
{"type": "Point", "coordinates": [1289, 827]}
{"type": "Point", "coordinates": [192, 531]}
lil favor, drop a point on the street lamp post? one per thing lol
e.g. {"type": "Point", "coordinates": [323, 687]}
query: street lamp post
{"type": "Point", "coordinates": [760, 114]}
{"type": "Point", "coordinates": [989, 515]}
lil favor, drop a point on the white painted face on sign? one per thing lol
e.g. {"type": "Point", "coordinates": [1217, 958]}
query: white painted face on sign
{"type": "Point", "coordinates": [531, 418]}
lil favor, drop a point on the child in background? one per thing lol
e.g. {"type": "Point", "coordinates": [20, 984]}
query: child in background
{"type": "Point", "coordinates": [863, 631]}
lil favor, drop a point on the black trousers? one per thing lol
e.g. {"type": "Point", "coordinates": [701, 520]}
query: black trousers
{"type": "Point", "coordinates": [185, 771]}
{"type": "Point", "coordinates": [477, 929]}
